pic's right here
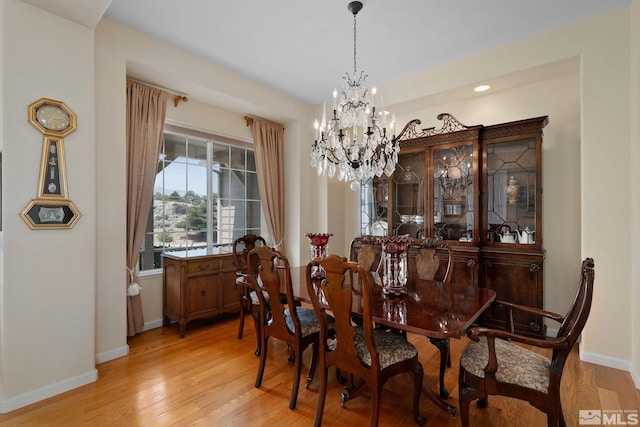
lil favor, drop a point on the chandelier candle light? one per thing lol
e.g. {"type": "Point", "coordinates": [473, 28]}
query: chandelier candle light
{"type": "Point", "coordinates": [355, 142]}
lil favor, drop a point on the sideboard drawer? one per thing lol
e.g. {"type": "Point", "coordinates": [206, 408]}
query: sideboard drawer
{"type": "Point", "coordinates": [202, 266]}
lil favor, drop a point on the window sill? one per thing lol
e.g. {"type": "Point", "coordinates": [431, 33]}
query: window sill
{"type": "Point", "coordinates": [150, 273]}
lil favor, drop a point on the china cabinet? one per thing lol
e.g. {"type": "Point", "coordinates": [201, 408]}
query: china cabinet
{"type": "Point", "coordinates": [198, 287]}
{"type": "Point", "coordinates": [479, 189]}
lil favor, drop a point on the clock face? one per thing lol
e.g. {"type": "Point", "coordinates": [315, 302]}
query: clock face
{"type": "Point", "coordinates": [52, 117]}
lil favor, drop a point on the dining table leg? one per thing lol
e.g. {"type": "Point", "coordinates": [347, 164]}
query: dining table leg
{"type": "Point", "coordinates": [443, 345]}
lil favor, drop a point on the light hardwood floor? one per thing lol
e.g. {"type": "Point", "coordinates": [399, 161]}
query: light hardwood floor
{"type": "Point", "coordinates": [207, 379]}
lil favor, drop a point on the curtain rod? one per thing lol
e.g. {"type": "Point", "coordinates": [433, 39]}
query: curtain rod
{"type": "Point", "coordinates": [249, 120]}
{"type": "Point", "coordinates": [177, 96]}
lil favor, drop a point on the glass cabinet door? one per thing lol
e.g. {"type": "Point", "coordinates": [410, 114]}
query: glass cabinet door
{"type": "Point", "coordinates": [512, 191]}
{"type": "Point", "coordinates": [409, 195]}
{"type": "Point", "coordinates": [453, 193]}
{"type": "Point", "coordinates": [374, 200]}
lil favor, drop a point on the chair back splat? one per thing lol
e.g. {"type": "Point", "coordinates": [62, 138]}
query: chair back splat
{"type": "Point", "coordinates": [241, 248]}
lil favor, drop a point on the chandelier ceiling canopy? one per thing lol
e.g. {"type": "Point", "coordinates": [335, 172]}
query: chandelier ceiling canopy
{"type": "Point", "coordinates": [355, 142]}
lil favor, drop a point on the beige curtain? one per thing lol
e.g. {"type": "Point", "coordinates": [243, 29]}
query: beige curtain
{"type": "Point", "coordinates": [146, 110]}
{"type": "Point", "coordinates": [268, 139]}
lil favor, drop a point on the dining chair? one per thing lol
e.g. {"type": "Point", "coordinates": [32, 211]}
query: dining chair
{"type": "Point", "coordinates": [494, 364]}
{"type": "Point", "coordinates": [287, 321]}
{"type": "Point", "coordinates": [431, 259]}
{"type": "Point", "coordinates": [366, 251]}
{"type": "Point", "coordinates": [371, 354]}
{"type": "Point", "coordinates": [248, 300]}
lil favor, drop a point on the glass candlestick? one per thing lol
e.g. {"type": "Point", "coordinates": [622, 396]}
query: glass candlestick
{"type": "Point", "coordinates": [318, 249]}
{"type": "Point", "coordinates": [394, 253]}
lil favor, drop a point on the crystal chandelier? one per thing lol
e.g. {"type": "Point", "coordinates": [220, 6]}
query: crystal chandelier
{"type": "Point", "coordinates": [355, 142]}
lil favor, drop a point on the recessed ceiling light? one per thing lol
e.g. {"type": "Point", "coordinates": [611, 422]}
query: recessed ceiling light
{"type": "Point", "coordinates": [481, 88]}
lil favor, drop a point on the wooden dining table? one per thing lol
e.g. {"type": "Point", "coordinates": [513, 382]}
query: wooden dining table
{"type": "Point", "coordinates": [433, 309]}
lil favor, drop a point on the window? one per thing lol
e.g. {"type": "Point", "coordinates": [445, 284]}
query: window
{"type": "Point", "coordinates": [205, 196]}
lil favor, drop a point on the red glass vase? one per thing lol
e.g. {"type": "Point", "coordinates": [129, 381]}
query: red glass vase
{"type": "Point", "coordinates": [318, 249]}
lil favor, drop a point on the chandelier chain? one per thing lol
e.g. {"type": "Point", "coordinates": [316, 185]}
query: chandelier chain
{"type": "Point", "coordinates": [355, 68]}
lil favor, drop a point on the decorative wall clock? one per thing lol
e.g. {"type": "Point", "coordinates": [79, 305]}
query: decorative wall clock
{"type": "Point", "coordinates": [51, 209]}
{"type": "Point", "coordinates": [52, 117]}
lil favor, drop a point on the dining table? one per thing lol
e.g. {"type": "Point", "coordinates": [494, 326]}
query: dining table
{"type": "Point", "coordinates": [430, 308]}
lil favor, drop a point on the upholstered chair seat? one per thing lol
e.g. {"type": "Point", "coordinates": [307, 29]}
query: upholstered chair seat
{"type": "Point", "coordinates": [518, 365]}
{"type": "Point", "coordinates": [392, 348]}
{"type": "Point", "coordinates": [308, 321]}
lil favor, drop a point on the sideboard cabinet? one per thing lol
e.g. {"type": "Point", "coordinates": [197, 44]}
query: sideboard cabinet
{"type": "Point", "coordinates": [198, 287]}
{"type": "Point", "coordinates": [479, 188]}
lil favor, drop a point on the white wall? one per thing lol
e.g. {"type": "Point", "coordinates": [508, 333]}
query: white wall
{"type": "Point", "coordinates": [606, 187]}
{"type": "Point", "coordinates": [634, 159]}
{"type": "Point", "coordinates": [2, 18]}
{"type": "Point", "coordinates": [48, 290]}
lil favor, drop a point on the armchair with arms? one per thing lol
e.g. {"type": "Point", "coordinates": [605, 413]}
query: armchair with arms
{"type": "Point", "coordinates": [493, 364]}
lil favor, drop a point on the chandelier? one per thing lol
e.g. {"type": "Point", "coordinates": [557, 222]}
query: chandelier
{"type": "Point", "coordinates": [355, 142]}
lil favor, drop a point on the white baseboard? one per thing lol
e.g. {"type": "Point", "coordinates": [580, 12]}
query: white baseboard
{"type": "Point", "coordinates": [611, 362]}
{"type": "Point", "coordinates": [152, 324]}
{"type": "Point", "coordinates": [25, 399]}
{"type": "Point", "coordinates": [635, 377]}
{"type": "Point", "coordinates": [112, 354]}
{"type": "Point", "coordinates": [124, 350]}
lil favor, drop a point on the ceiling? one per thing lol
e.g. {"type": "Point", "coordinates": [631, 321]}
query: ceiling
{"type": "Point", "coordinates": [304, 48]}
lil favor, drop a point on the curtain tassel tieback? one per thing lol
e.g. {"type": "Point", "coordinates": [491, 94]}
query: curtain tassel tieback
{"type": "Point", "coordinates": [134, 288]}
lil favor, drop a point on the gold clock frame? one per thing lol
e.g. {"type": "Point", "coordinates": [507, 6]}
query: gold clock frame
{"type": "Point", "coordinates": [50, 214]}
{"type": "Point", "coordinates": [51, 209]}
{"type": "Point", "coordinates": [52, 163]}
{"type": "Point", "coordinates": [33, 111]}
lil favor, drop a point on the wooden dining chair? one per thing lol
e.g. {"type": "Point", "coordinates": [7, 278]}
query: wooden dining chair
{"type": "Point", "coordinates": [430, 259]}
{"type": "Point", "coordinates": [371, 354]}
{"type": "Point", "coordinates": [494, 364]}
{"type": "Point", "coordinates": [366, 251]}
{"type": "Point", "coordinates": [286, 321]}
{"type": "Point", "coordinates": [248, 300]}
